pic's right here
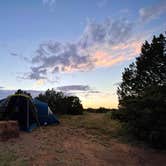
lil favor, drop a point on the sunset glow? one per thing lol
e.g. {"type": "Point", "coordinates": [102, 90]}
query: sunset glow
{"type": "Point", "coordinates": [81, 44]}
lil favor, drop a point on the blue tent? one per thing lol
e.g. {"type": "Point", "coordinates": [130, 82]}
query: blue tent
{"type": "Point", "coordinates": [29, 112]}
{"type": "Point", "coordinates": [45, 114]}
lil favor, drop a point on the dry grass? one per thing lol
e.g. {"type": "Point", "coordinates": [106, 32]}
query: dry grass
{"type": "Point", "coordinates": [89, 139]}
{"type": "Point", "coordinates": [100, 125]}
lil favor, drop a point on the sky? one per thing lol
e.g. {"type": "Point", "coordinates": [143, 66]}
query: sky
{"type": "Point", "coordinates": [80, 47]}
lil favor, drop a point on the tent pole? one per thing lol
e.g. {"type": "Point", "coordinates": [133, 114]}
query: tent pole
{"type": "Point", "coordinates": [28, 114]}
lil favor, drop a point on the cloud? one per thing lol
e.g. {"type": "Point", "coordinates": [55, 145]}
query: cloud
{"type": "Point", "coordinates": [14, 54]}
{"type": "Point", "coordinates": [74, 88]}
{"type": "Point", "coordinates": [36, 73]}
{"type": "Point", "coordinates": [39, 83]}
{"type": "Point", "coordinates": [50, 3]}
{"type": "Point", "coordinates": [124, 11]}
{"type": "Point", "coordinates": [77, 90]}
{"type": "Point", "coordinates": [54, 57]}
{"type": "Point", "coordinates": [152, 12]}
{"type": "Point", "coordinates": [1, 87]}
{"type": "Point", "coordinates": [101, 3]}
{"type": "Point", "coordinates": [101, 45]}
{"type": "Point", "coordinates": [110, 32]}
{"type": "Point", "coordinates": [106, 55]}
{"type": "Point", "coordinates": [102, 59]}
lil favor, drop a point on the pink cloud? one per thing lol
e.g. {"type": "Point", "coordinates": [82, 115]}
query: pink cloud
{"type": "Point", "coordinates": [116, 54]}
{"type": "Point", "coordinates": [103, 59]}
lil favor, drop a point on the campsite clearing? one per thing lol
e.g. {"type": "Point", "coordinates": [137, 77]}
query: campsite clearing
{"type": "Point", "coordinates": [90, 139]}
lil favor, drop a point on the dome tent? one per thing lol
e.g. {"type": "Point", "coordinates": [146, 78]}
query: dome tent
{"type": "Point", "coordinates": [29, 112]}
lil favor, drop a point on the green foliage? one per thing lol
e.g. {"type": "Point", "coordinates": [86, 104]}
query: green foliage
{"type": "Point", "coordinates": [59, 103]}
{"type": "Point", "coordinates": [142, 94]}
{"type": "Point", "coordinates": [19, 91]}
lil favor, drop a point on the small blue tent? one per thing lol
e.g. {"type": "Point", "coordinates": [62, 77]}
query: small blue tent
{"type": "Point", "coordinates": [29, 112]}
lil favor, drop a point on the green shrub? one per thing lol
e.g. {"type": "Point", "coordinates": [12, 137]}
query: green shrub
{"type": "Point", "coordinates": [146, 117]}
{"type": "Point", "coordinates": [61, 104]}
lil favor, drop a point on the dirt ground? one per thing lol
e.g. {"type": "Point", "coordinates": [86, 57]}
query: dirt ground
{"type": "Point", "coordinates": [68, 145]}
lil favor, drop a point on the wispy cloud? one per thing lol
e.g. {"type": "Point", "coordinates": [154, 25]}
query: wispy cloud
{"type": "Point", "coordinates": [14, 54]}
{"type": "Point", "coordinates": [50, 3]}
{"type": "Point", "coordinates": [152, 12]}
{"type": "Point", "coordinates": [108, 56]}
{"type": "Point", "coordinates": [53, 57]}
{"type": "Point", "coordinates": [78, 90]}
{"type": "Point", "coordinates": [74, 88]}
{"type": "Point", "coordinates": [124, 11]}
{"type": "Point", "coordinates": [38, 83]}
{"type": "Point", "coordinates": [101, 3]}
{"type": "Point", "coordinates": [101, 45]}
{"type": "Point", "coordinates": [110, 32]}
